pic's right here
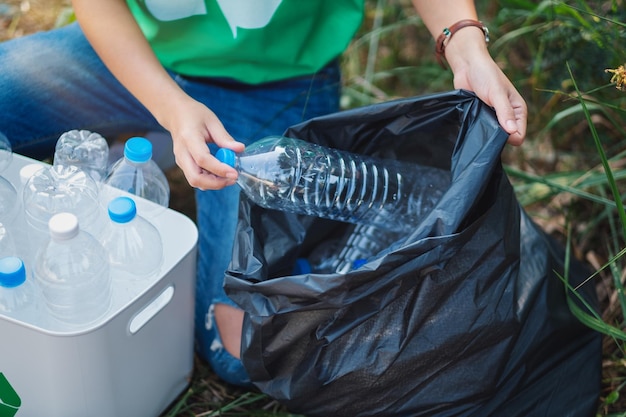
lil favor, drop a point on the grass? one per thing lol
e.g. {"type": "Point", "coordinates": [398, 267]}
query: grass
{"type": "Point", "coordinates": [569, 175]}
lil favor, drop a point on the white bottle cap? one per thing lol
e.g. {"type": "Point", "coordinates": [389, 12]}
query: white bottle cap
{"type": "Point", "coordinates": [28, 171]}
{"type": "Point", "coordinates": [63, 226]}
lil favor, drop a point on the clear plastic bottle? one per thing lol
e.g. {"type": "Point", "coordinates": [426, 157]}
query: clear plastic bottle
{"type": "Point", "coordinates": [9, 203]}
{"type": "Point", "coordinates": [17, 294]}
{"type": "Point", "coordinates": [137, 174]}
{"type": "Point", "coordinates": [363, 244]}
{"type": "Point", "coordinates": [84, 149]}
{"type": "Point", "coordinates": [24, 247]}
{"type": "Point", "coordinates": [57, 189]}
{"type": "Point", "coordinates": [28, 171]}
{"type": "Point", "coordinates": [10, 217]}
{"type": "Point", "coordinates": [72, 271]}
{"type": "Point", "coordinates": [6, 152]}
{"type": "Point", "coordinates": [134, 245]}
{"type": "Point", "coordinates": [341, 255]}
{"type": "Point", "coordinates": [293, 175]}
{"type": "Point", "coordinates": [8, 244]}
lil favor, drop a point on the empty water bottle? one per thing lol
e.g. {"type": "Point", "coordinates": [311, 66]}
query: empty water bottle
{"type": "Point", "coordinates": [22, 239]}
{"type": "Point", "coordinates": [137, 174]}
{"type": "Point", "coordinates": [8, 244]}
{"type": "Point", "coordinates": [57, 189]}
{"type": "Point", "coordinates": [341, 255]}
{"type": "Point", "coordinates": [8, 193]}
{"type": "Point", "coordinates": [17, 294]}
{"type": "Point", "coordinates": [9, 203]}
{"type": "Point", "coordinates": [28, 171]}
{"type": "Point", "coordinates": [84, 149]}
{"type": "Point", "coordinates": [294, 175]}
{"type": "Point", "coordinates": [72, 271]}
{"type": "Point", "coordinates": [134, 245]}
{"type": "Point", "coordinates": [6, 152]}
{"type": "Point", "coordinates": [364, 243]}
{"type": "Point", "coordinates": [10, 217]}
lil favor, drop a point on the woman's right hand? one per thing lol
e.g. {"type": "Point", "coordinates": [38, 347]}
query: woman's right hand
{"type": "Point", "coordinates": [192, 126]}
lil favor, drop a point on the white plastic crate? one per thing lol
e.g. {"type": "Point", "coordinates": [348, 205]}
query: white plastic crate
{"type": "Point", "coordinates": [131, 363]}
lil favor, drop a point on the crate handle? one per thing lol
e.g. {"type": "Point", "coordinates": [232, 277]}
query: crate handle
{"type": "Point", "coordinates": [151, 310]}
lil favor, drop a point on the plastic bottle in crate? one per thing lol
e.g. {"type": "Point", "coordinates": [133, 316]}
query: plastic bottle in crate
{"type": "Point", "coordinates": [72, 271]}
{"type": "Point", "coordinates": [58, 189]}
{"type": "Point", "coordinates": [133, 244]}
{"type": "Point", "coordinates": [294, 175]}
{"type": "Point", "coordinates": [84, 149]}
{"type": "Point", "coordinates": [17, 294]}
{"type": "Point", "coordinates": [137, 174]}
{"type": "Point", "coordinates": [9, 211]}
{"type": "Point", "coordinates": [9, 202]}
{"type": "Point", "coordinates": [6, 152]}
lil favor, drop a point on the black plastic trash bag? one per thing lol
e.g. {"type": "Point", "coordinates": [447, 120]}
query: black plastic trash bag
{"type": "Point", "coordinates": [467, 317]}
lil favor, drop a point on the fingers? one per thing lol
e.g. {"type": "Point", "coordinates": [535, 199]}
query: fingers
{"type": "Point", "coordinates": [206, 172]}
{"type": "Point", "coordinates": [201, 169]}
{"type": "Point", "coordinates": [511, 112]}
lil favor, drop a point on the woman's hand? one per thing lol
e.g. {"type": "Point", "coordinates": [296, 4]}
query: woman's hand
{"type": "Point", "coordinates": [472, 66]}
{"type": "Point", "coordinates": [475, 70]}
{"type": "Point", "coordinates": [192, 125]}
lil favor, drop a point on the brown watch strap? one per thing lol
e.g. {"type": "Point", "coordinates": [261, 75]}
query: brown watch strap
{"type": "Point", "coordinates": [446, 35]}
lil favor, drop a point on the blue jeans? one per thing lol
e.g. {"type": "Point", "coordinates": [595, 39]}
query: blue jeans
{"type": "Point", "coordinates": [52, 82]}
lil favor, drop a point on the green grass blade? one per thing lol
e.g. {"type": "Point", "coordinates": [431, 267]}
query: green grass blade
{"type": "Point", "coordinates": [603, 157]}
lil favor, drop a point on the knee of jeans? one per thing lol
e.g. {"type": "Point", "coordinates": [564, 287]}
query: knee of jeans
{"type": "Point", "coordinates": [226, 366]}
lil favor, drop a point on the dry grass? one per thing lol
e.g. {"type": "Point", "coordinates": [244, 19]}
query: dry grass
{"type": "Point", "coordinates": [18, 18]}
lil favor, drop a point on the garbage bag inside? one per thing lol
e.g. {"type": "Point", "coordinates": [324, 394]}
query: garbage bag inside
{"type": "Point", "coordinates": [466, 316]}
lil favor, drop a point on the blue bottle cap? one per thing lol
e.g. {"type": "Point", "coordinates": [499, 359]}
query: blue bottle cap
{"type": "Point", "coordinates": [302, 266]}
{"type": "Point", "coordinates": [138, 150]}
{"type": "Point", "coordinates": [122, 209]}
{"type": "Point", "coordinates": [357, 263]}
{"type": "Point", "coordinates": [12, 272]}
{"type": "Point", "coordinates": [226, 156]}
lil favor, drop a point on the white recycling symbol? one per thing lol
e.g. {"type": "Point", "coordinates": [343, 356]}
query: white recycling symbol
{"type": "Point", "coordinates": [245, 14]}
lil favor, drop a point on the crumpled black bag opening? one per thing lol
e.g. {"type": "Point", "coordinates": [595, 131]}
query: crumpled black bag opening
{"type": "Point", "coordinates": [466, 317]}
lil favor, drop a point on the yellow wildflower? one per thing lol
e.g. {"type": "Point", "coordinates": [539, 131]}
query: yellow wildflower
{"type": "Point", "coordinates": [619, 77]}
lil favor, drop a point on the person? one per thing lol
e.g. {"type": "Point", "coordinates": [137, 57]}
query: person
{"type": "Point", "coordinates": [216, 72]}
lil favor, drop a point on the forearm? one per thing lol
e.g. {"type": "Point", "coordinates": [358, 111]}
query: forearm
{"type": "Point", "coordinates": [468, 43]}
{"type": "Point", "coordinates": [112, 31]}
{"type": "Point", "coordinates": [473, 68]}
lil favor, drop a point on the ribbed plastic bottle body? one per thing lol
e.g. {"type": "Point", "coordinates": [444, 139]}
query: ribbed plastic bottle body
{"type": "Point", "coordinates": [58, 189]}
{"type": "Point", "coordinates": [364, 243]}
{"type": "Point", "coordinates": [133, 244]}
{"type": "Point", "coordinates": [74, 278]}
{"type": "Point", "coordinates": [84, 149]}
{"type": "Point", "coordinates": [341, 255]}
{"type": "Point", "coordinates": [297, 176]}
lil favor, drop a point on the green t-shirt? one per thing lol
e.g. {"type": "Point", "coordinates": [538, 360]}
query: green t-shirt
{"type": "Point", "coordinates": [252, 41]}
